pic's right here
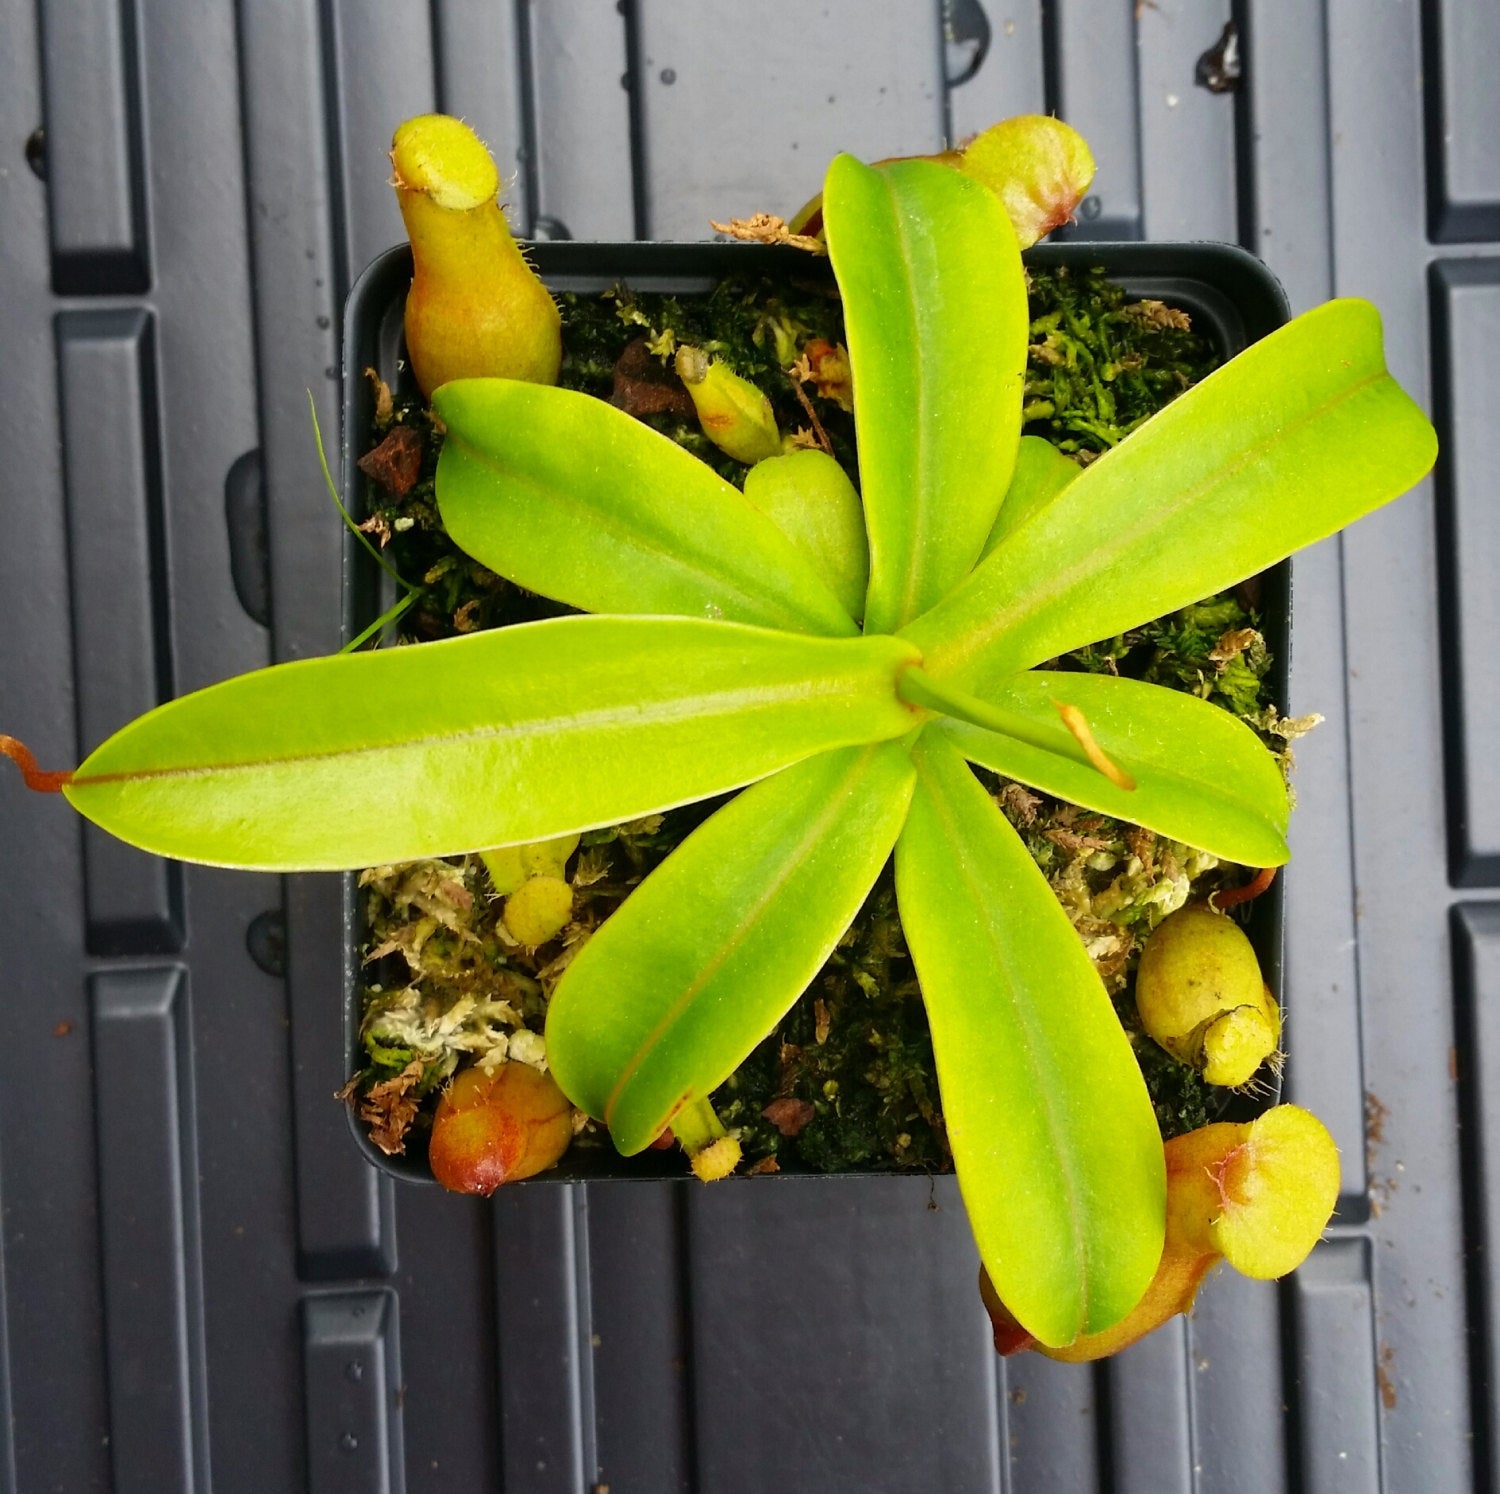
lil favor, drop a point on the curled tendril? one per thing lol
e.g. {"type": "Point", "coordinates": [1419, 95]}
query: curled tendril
{"type": "Point", "coordinates": [36, 778]}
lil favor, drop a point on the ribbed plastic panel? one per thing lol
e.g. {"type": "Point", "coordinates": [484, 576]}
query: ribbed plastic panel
{"type": "Point", "coordinates": [204, 1284]}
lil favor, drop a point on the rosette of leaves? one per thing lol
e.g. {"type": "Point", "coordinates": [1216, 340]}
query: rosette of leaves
{"type": "Point", "coordinates": [720, 658]}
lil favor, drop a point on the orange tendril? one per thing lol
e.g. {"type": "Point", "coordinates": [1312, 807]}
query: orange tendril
{"type": "Point", "coordinates": [1252, 889]}
{"type": "Point", "coordinates": [36, 779]}
{"type": "Point", "coordinates": [1078, 724]}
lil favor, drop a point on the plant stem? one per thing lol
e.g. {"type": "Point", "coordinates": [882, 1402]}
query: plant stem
{"type": "Point", "coordinates": [696, 1126]}
{"type": "Point", "coordinates": [916, 687]}
{"type": "Point", "coordinates": [1074, 742]}
{"type": "Point", "coordinates": [711, 1150]}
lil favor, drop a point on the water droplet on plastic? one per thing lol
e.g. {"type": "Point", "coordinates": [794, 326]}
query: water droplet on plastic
{"type": "Point", "coordinates": [265, 940]}
{"type": "Point", "coordinates": [36, 152]}
{"type": "Point", "coordinates": [966, 40]}
{"type": "Point", "coordinates": [1220, 69]}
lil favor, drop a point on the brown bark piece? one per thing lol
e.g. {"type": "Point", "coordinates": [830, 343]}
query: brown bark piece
{"type": "Point", "coordinates": [829, 371]}
{"type": "Point", "coordinates": [790, 1116]}
{"type": "Point", "coordinates": [396, 463]}
{"type": "Point", "coordinates": [384, 404]}
{"type": "Point", "coordinates": [1020, 803]}
{"type": "Point", "coordinates": [822, 1021]}
{"type": "Point", "coordinates": [644, 385]}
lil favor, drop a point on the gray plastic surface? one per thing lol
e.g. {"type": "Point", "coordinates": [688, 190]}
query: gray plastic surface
{"type": "Point", "coordinates": [187, 1233]}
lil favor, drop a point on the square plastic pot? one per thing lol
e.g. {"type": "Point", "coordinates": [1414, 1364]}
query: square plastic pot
{"type": "Point", "coordinates": [1232, 298]}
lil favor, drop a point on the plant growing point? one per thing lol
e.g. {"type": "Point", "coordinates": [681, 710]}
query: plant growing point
{"type": "Point", "coordinates": [809, 497]}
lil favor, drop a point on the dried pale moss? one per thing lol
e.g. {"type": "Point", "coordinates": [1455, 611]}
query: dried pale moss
{"type": "Point", "coordinates": [847, 1079]}
{"type": "Point", "coordinates": [447, 981]}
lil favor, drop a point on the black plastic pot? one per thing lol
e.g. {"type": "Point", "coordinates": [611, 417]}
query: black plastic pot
{"type": "Point", "coordinates": [1233, 300]}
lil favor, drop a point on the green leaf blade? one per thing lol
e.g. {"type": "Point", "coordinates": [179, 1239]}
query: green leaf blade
{"type": "Point", "coordinates": [1202, 776]}
{"type": "Point", "coordinates": [809, 497]}
{"type": "Point", "coordinates": [1042, 472]}
{"type": "Point", "coordinates": [514, 735]}
{"type": "Point", "coordinates": [1058, 1154]}
{"type": "Point", "coordinates": [706, 956]}
{"type": "Point", "coordinates": [1302, 433]}
{"type": "Point", "coordinates": [936, 318]}
{"type": "Point", "coordinates": [567, 496]}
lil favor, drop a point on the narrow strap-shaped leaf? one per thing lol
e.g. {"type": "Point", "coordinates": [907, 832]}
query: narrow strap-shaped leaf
{"type": "Point", "coordinates": [709, 952]}
{"type": "Point", "coordinates": [567, 496]}
{"type": "Point", "coordinates": [1299, 435]}
{"type": "Point", "coordinates": [519, 734]}
{"type": "Point", "coordinates": [1202, 776]}
{"type": "Point", "coordinates": [936, 317]}
{"type": "Point", "coordinates": [1058, 1154]}
{"type": "Point", "coordinates": [1042, 472]}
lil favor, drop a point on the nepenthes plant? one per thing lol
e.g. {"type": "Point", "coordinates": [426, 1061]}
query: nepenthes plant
{"type": "Point", "coordinates": [718, 652]}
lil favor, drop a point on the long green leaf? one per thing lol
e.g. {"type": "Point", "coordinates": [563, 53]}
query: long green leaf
{"type": "Point", "coordinates": [1059, 1158]}
{"type": "Point", "coordinates": [518, 734]}
{"type": "Point", "coordinates": [567, 496]}
{"type": "Point", "coordinates": [936, 317]}
{"type": "Point", "coordinates": [1202, 776]}
{"type": "Point", "coordinates": [706, 956]}
{"type": "Point", "coordinates": [1301, 434]}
